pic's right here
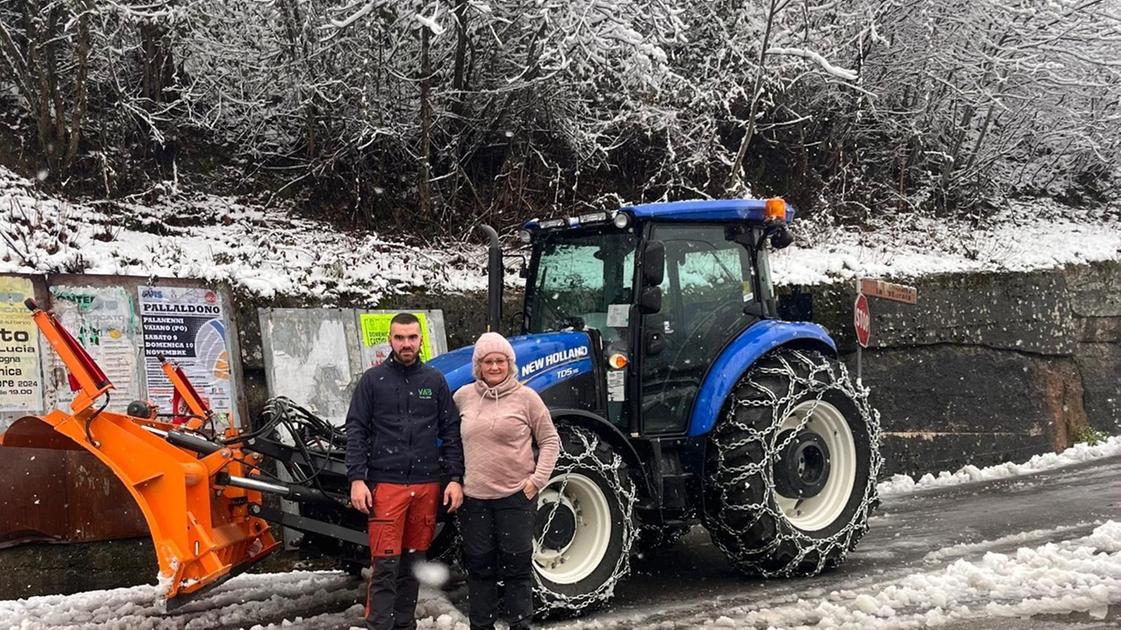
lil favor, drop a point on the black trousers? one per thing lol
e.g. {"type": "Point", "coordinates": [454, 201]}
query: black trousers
{"type": "Point", "coordinates": [498, 546]}
{"type": "Point", "coordinates": [393, 590]}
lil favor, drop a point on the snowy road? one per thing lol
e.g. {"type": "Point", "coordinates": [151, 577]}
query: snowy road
{"type": "Point", "coordinates": [979, 556]}
{"type": "Point", "coordinates": [924, 551]}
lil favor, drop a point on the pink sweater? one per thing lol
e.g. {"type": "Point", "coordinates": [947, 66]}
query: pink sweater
{"type": "Point", "coordinates": [499, 425]}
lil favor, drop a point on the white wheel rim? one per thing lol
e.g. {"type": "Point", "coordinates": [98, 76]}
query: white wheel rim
{"type": "Point", "coordinates": [819, 511]}
{"type": "Point", "coordinates": [580, 557]}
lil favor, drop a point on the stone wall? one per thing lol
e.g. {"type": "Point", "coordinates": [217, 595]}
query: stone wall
{"type": "Point", "coordinates": [987, 367]}
{"type": "Point", "coordinates": [1095, 298]}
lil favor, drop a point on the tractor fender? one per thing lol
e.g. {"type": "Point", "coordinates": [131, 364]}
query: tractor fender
{"type": "Point", "coordinates": [609, 432]}
{"type": "Point", "coordinates": [740, 354]}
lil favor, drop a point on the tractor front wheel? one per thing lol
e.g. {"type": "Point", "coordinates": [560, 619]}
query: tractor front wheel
{"type": "Point", "coordinates": [585, 526]}
{"type": "Point", "coordinates": [790, 474]}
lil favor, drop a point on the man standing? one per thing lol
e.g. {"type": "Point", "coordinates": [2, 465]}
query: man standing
{"type": "Point", "coordinates": [399, 410]}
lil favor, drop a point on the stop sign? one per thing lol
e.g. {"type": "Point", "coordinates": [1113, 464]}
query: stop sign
{"type": "Point", "coordinates": [862, 320]}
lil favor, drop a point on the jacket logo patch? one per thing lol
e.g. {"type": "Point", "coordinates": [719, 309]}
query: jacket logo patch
{"type": "Point", "coordinates": [424, 393]}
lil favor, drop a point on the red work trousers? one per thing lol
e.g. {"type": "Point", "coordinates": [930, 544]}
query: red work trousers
{"type": "Point", "coordinates": [400, 529]}
{"type": "Point", "coordinates": [404, 517]}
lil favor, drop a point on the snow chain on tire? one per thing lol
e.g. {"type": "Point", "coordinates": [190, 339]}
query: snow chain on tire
{"type": "Point", "coordinates": [741, 513]}
{"type": "Point", "coordinates": [583, 452]}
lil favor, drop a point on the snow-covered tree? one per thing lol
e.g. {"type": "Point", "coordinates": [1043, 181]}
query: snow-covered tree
{"type": "Point", "coordinates": [439, 113]}
{"type": "Point", "coordinates": [45, 48]}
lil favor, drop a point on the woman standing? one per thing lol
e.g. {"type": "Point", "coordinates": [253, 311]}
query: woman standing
{"type": "Point", "coordinates": [500, 421]}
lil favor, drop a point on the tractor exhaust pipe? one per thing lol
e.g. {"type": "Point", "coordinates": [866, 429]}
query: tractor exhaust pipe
{"type": "Point", "coordinates": [494, 280]}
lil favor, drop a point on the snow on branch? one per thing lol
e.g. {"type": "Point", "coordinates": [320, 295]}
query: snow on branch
{"type": "Point", "coordinates": [431, 23]}
{"type": "Point", "coordinates": [840, 73]}
{"type": "Point", "coordinates": [357, 15]}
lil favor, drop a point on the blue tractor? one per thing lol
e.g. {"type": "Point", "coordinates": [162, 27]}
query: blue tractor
{"type": "Point", "coordinates": [652, 334]}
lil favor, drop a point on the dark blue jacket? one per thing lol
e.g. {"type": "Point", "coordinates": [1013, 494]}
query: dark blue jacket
{"type": "Point", "coordinates": [396, 415]}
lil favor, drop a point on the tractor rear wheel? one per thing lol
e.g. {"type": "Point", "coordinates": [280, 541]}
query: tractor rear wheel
{"type": "Point", "coordinates": [585, 526]}
{"type": "Point", "coordinates": [790, 474]}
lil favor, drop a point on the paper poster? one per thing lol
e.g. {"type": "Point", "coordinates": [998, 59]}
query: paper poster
{"type": "Point", "coordinates": [374, 329]}
{"type": "Point", "coordinates": [104, 320]}
{"type": "Point", "coordinates": [308, 358]}
{"type": "Point", "coordinates": [186, 326]}
{"type": "Point", "coordinates": [21, 386]}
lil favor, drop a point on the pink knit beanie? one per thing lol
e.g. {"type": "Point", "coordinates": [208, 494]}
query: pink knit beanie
{"type": "Point", "coordinates": [491, 342]}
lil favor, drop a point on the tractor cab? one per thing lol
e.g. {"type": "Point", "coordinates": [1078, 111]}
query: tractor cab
{"type": "Point", "coordinates": [662, 288]}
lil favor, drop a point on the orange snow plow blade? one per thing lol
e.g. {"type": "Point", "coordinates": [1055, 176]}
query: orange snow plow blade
{"type": "Point", "coordinates": [201, 527]}
{"type": "Point", "coordinates": [32, 432]}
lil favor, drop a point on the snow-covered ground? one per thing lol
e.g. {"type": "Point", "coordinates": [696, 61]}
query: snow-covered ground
{"type": "Point", "coordinates": [316, 599]}
{"type": "Point", "coordinates": [320, 599]}
{"type": "Point", "coordinates": [1080, 575]}
{"type": "Point", "coordinates": [1026, 235]}
{"type": "Point", "coordinates": [270, 251]}
{"type": "Point", "coordinates": [265, 251]}
{"type": "Point", "coordinates": [1034, 577]}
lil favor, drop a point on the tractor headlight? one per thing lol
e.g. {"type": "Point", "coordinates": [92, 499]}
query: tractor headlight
{"type": "Point", "coordinates": [525, 236]}
{"type": "Point", "coordinates": [621, 220]}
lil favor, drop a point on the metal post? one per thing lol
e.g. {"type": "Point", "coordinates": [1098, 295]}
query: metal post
{"type": "Point", "coordinates": [858, 357]}
{"type": "Point", "coordinates": [859, 348]}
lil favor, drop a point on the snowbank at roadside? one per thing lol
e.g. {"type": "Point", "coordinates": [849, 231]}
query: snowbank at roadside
{"type": "Point", "coordinates": [903, 484]}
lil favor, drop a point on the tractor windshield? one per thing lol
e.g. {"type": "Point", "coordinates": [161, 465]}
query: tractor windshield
{"type": "Point", "coordinates": [580, 275]}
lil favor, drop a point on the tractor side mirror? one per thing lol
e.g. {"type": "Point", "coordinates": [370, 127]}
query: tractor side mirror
{"type": "Point", "coordinates": [650, 300]}
{"type": "Point", "coordinates": [654, 266]}
{"type": "Point", "coordinates": [781, 238]}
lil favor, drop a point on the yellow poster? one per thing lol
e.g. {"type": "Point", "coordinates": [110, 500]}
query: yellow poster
{"type": "Point", "coordinates": [375, 337]}
{"type": "Point", "coordinates": [21, 386]}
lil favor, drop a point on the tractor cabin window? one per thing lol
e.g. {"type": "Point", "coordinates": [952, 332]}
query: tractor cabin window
{"type": "Point", "coordinates": [707, 284]}
{"type": "Point", "coordinates": [579, 277]}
